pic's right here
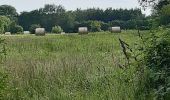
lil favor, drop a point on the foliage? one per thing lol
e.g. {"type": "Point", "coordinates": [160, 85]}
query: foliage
{"type": "Point", "coordinates": [95, 26]}
{"type": "Point", "coordinates": [52, 15]}
{"type": "Point", "coordinates": [157, 57]}
{"type": "Point", "coordinates": [147, 3]}
{"type": "Point", "coordinates": [57, 29]}
{"type": "Point", "coordinates": [165, 14]}
{"type": "Point", "coordinates": [7, 10]}
{"type": "Point", "coordinates": [33, 27]}
{"type": "Point", "coordinates": [16, 29]}
{"type": "Point", "coordinates": [151, 59]}
{"type": "Point", "coordinates": [161, 10]}
{"type": "Point", "coordinates": [160, 4]}
{"type": "Point", "coordinates": [131, 24]}
{"type": "Point", "coordinates": [166, 10]}
{"type": "Point", "coordinates": [4, 23]}
{"type": "Point", "coordinates": [52, 9]}
{"type": "Point", "coordinates": [104, 26]}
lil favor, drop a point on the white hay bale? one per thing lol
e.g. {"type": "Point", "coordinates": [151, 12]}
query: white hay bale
{"type": "Point", "coordinates": [83, 30]}
{"type": "Point", "coordinates": [26, 32]}
{"type": "Point", "coordinates": [40, 31]}
{"type": "Point", "coordinates": [115, 29]}
{"type": "Point", "coordinates": [62, 33]}
{"type": "Point", "coordinates": [7, 33]}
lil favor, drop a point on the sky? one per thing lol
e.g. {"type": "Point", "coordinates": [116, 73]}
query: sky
{"type": "Point", "coordinates": [28, 5]}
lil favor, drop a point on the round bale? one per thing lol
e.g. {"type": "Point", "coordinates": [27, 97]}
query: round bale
{"type": "Point", "coordinates": [7, 33]}
{"type": "Point", "coordinates": [40, 31]}
{"type": "Point", "coordinates": [26, 32]}
{"type": "Point", "coordinates": [83, 30]}
{"type": "Point", "coordinates": [116, 29]}
{"type": "Point", "coordinates": [62, 33]}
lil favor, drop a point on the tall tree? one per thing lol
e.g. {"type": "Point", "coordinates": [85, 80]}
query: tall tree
{"type": "Point", "coordinates": [53, 9]}
{"type": "Point", "coordinates": [161, 10]}
{"type": "Point", "coordinates": [7, 10]}
{"type": "Point", "coordinates": [53, 15]}
{"type": "Point", "coordinates": [4, 24]}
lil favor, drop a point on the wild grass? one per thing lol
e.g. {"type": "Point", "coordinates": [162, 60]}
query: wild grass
{"type": "Point", "coordinates": [70, 67]}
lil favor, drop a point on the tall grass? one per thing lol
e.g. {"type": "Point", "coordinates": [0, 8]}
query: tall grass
{"type": "Point", "coordinates": [70, 67]}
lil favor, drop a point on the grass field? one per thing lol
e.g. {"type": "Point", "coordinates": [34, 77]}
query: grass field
{"type": "Point", "coordinates": [70, 67]}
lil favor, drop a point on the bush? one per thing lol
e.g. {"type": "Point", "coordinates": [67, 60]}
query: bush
{"type": "Point", "coordinates": [95, 26]}
{"type": "Point", "coordinates": [157, 57]}
{"type": "Point", "coordinates": [57, 29]}
{"type": "Point", "coordinates": [4, 23]}
{"type": "Point", "coordinates": [33, 27]}
{"type": "Point", "coordinates": [16, 29]}
{"type": "Point", "coordinates": [104, 26]}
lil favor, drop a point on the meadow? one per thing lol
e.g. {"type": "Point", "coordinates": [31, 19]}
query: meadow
{"type": "Point", "coordinates": [71, 67]}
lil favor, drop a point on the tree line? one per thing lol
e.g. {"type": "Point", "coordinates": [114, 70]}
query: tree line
{"type": "Point", "coordinates": [95, 19]}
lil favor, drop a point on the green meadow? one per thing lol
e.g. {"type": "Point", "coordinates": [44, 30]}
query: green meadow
{"type": "Point", "coordinates": [71, 67]}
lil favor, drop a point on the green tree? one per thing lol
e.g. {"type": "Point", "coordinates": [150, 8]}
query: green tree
{"type": "Point", "coordinates": [57, 29]}
{"type": "Point", "coordinates": [4, 24]}
{"type": "Point", "coordinates": [53, 9]}
{"type": "Point", "coordinates": [51, 15]}
{"type": "Point", "coordinates": [157, 57]}
{"type": "Point", "coordinates": [7, 10]}
{"type": "Point", "coordinates": [16, 29]}
{"type": "Point", "coordinates": [104, 26]}
{"type": "Point", "coordinates": [161, 10]}
{"type": "Point", "coordinates": [95, 26]}
{"type": "Point", "coordinates": [33, 27]}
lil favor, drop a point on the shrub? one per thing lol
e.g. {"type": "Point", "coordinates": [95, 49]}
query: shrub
{"type": "Point", "coordinates": [16, 29]}
{"type": "Point", "coordinates": [157, 57]}
{"type": "Point", "coordinates": [104, 26]}
{"type": "Point", "coordinates": [4, 23]}
{"type": "Point", "coordinates": [151, 58]}
{"type": "Point", "coordinates": [33, 27]}
{"type": "Point", "coordinates": [57, 29]}
{"type": "Point", "coordinates": [95, 26]}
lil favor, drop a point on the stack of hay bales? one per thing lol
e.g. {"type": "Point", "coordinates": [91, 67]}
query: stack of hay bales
{"type": "Point", "coordinates": [116, 29]}
{"type": "Point", "coordinates": [26, 32]}
{"type": "Point", "coordinates": [40, 31]}
{"type": "Point", "coordinates": [83, 30]}
{"type": "Point", "coordinates": [7, 33]}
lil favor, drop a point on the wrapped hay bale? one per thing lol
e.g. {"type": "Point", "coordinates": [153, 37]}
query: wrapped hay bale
{"type": "Point", "coordinates": [62, 33]}
{"type": "Point", "coordinates": [83, 30]}
{"type": "Point", "coordinates": [26, 32]}
{"type": "Point", "coordinates": [40, 31]}
{"type": "Point", "coordinates": [7, 33]}
{"type": "Point", "coordinates": [115, 29]}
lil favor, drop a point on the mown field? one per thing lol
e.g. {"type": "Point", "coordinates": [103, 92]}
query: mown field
{"type": "Point", "coordinates": [70, 67]}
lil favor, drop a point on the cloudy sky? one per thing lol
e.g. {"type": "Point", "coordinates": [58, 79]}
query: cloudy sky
{"type": "Point", "coordinates": [28, 5]}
